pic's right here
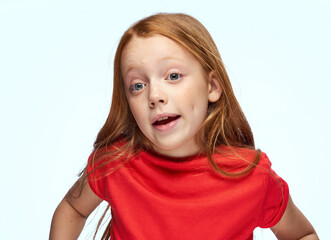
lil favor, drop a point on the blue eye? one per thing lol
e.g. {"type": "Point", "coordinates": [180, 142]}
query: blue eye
{"type": "Point", "coordinates": [173, 76]}
{"type": "Point", "coordinates": [137, 86]}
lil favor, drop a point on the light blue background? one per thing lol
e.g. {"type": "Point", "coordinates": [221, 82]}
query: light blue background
{"type": "Point", "coordinates": [56, 68]}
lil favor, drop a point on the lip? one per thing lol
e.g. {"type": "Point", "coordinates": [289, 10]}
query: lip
{"type": "Point", "coordinates": [168, 126]}
{"type": "Point", "coordinates": [162, 115]}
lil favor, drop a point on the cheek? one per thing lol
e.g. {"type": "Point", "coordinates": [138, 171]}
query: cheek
{"type": "Point", "coordinates": [195, 98]}
{"type": "Point", "coordinates": [136, 109]}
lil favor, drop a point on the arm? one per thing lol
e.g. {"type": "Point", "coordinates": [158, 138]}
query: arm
{"type": "Point", "coordinates": [294, 225]}
{"type": "Point", "coordinates": [70, 216]}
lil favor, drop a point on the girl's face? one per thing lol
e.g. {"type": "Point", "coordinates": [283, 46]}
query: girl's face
{"type": "Point", "coordinates": [168, 93]}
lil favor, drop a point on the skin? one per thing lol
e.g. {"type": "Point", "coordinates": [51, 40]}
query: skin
{"type": "Point", "coordinates": [70, 216]}
{"type": "Point", "coordinates": [162, 77]}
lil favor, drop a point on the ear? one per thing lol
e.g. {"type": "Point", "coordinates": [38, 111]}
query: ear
{"type": "Point", "coordinates": [214, 87]}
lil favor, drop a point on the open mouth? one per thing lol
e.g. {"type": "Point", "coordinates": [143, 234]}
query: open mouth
{"type": "Point", "coordinates": [165, 120]}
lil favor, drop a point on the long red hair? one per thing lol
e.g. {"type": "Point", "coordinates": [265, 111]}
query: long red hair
{"type": "Point", "coordinates": [225, 123]}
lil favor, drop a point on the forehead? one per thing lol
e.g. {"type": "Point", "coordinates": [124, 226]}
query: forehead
{"type": "Point", "coordinates": [140, 51]}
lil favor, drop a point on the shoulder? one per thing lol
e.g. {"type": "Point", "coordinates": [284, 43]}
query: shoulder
{"type": "Point", "coordinates": [268, 190]}
{"type": "Point", "coordinates": [107, 157]}
{"type": "Point", "coordinates": [103, 162]}
{"type": "Point", "coordinates": [235, 159]}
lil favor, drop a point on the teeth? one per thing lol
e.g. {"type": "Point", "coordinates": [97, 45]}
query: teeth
{"type": "Point", "coordinates": [162, 119]}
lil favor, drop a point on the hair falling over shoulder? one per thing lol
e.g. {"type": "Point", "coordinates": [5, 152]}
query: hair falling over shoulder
{"type": "Point", "coordinates": [225, 123]}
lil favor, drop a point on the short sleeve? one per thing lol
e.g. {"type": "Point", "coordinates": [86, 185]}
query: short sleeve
{"type": "Point", "coordinates": [95, 177]}
{"type": "Point", "coordinates": [100, 166]}
{"type": "Point", "coordinates": [275, 198]}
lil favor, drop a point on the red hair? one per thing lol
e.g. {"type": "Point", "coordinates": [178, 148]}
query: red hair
{"type": "Point", "coordinates": [225, 123]}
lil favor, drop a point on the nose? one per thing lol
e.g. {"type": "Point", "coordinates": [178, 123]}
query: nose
{"type": "Point", "coordinates": [157, 95]}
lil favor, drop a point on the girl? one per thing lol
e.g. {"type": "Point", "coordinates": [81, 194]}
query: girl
{"type": "Point", "coordinates": [176, 157]}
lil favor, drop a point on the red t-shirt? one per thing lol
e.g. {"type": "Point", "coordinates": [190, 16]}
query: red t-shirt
{"type": "Point", "coordinates": [158, 197]}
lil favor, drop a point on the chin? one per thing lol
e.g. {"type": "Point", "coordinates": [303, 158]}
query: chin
{"type": "Point", "coordinates": [176, 150]}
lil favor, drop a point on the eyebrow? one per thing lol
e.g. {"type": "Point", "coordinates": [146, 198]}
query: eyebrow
{"type": "Point", "coordinates": [162, 59]}
{"type": "Point", "coordinates": [131, 68]}
{"type": "Point", "coordinates": [170, 58]}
